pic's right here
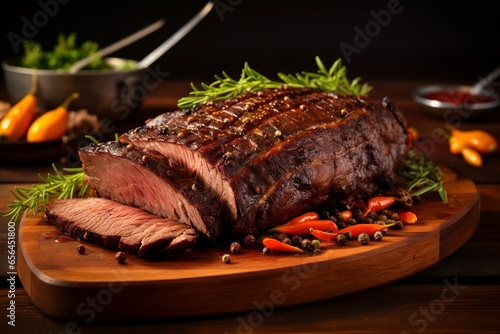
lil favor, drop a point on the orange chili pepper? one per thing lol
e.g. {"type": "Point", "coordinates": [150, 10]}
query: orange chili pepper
{"type": "Point", "coordinates": [52, 125]}
{"type": "Point", "coordinates": [412, 135]}
{"type": "Point", "coordinates": [303, 227]}
{"type": "Point", "coordinates": [16, 122]}
{"type": "Point", "coordinates": [456, 145]}
{"type": "Point", "coordinates": [479, 140]}
{"type": "Point", "coordinates": [407, 217]}
{"type": "Point", "coordinates": [346, 215]}
{"type": "Point", "coordinates": [279, 246]}
{"type": "Point", "coordinates": [369, 229]}
{"type": "Point", "coordinates": [304, 217]}
{"type": "Point", "coordinates": [322, 235]}
{"type": "Point", "coordinates": [472, 157]}
{"type": "Point", "coordinates": [379, 203]}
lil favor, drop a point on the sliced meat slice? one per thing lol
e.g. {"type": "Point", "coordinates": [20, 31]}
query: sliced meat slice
{"type": "Point", "coordinates": [122, 227]}
{"type": "Point", "coordinates": [147, 180]}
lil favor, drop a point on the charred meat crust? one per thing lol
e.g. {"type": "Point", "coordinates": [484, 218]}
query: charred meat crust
{"type": "Point", "coordinates": [275, 153]}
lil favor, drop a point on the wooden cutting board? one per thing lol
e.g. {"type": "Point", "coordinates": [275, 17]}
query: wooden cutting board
{"type": "Point", "coordinates": [93, 286]}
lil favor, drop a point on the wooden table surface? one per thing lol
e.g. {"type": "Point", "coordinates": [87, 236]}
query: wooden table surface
{"type": "Point", "coordinates": [459, 295]}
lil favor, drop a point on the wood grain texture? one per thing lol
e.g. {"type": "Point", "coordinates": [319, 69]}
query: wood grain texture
{"type": "Point", "coordinates": [64, 284]}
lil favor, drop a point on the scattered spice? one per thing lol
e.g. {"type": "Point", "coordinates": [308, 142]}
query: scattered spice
{"type": "Point", "coordinates": [282, 236]}
{"type": "Point", "coordinates": [80, 123]}
{"type": "Point", "coordinates": [378, 236]}
{"type": "Point", "coordinates": [80, 249]}
{"type": "Point", "coordinates": [369, 229]}
{"type": "Point", "coordinates": [249, 240]}
{"type": "Point", "coordinates": [121, 257]}
{"type": "Point", "coordinates": [341, 239]}
{"type": "Point", "coordinates": [235, 248]}
{"type": "Point", "coordinates": [364, 238]}
{"type": "Point", "coordinates": [398, 225]}
{"type": "Point", "coordinates": [307, 244]}
{"type": "Point", "coordinates": [226, 258]}
{"type": "Point", "coordinates": [296, 240]}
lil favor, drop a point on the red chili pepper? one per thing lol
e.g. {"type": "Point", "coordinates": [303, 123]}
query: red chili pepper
{"type": "Point", "coordinates": [369, 229]}
{"type": "Point", "coordinates": [322, 235]}
{"type": "Point", "coordinates": [379, 203]}
{"type": "Point", "coordinates": [358, 204]}
{"type": "Point", "coordinates": [279, 246]}
{"type": "Point", "coordinates": [303, 227]}
{"type": "Point", "coordinates": [346, 215]}
{"type": "Point", "coordinates": [304, 217]}
{"type": "Point", "coordinates": [407, 217]}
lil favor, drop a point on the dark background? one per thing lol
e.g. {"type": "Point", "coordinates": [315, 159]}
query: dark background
{"type": "Point", "coordinates": [427, 40]}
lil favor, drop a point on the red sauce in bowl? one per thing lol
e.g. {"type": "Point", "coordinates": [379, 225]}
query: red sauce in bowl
{"type": "Point", "coordinates": [459, 97]}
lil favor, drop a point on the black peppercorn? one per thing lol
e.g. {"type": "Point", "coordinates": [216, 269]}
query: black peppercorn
{"type": "Point", "coordinates": [80, 249]}
{"type": "Point", "coordinates": [121, 257]}
{"type": "Point", "coordinates": [249, 240]}
{"type": "Point", "coordinates": [296, 240]}
{"type": "Point", "coordinates": [378, 236]}
{"type": "Point", "coordinates": [341, 239]}
{"type": "Point", "coordinates": [307, 245]}
{"type": "Point", "coordinates": [363, 238]}
{"type": "Point", "coordinates": [235, 248]}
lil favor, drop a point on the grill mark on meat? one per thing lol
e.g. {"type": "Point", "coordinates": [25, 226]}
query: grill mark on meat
{"type": "Point", "coordinates": [206, 151]}
{"type": "Point", "coordinates": [117, 226]}
{"type": "Point", "coordinates": [332, 176]}
{"type": "Point", "coordinates": [147, 180]}
{"type": "Point", "coordinates": [235, 158]}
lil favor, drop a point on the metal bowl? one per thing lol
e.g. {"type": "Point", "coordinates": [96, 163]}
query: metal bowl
{"type": "Point", "coordinates": [447, 110]}
{"type": "Point", "coordinates": [112, 94]}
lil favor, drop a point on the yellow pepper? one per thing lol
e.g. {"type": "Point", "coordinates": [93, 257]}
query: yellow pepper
{"type": "Point", "coordinates": [456, 145]}
{"type": "Point", "coordinates": [478, 140]}
{"type": "Point", "coordinates": [52, 125]}
{"type": "Point", "coordinates": [472, 157]}
{"type": "Point", "coordinates": [18, 119]}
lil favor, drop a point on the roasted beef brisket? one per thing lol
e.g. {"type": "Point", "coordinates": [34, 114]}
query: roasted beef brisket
{"type": "Point", "coordinates": [145, 179]}
{"type": "Point", "coordinates": [117, 226]}
{"type": "Point", "coordinates": [269, 156]}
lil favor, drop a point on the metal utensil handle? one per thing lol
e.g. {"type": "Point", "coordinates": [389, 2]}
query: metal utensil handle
{"type": "Point", "coordinates": [485, 81]}
{"type": "Point", "coordinates": [178, 35]}
{"type": "Point", "coordinates": [117, 45]}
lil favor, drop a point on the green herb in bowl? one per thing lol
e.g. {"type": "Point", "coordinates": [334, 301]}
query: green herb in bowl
{"type": "Point", "coordinates": [64, 54]}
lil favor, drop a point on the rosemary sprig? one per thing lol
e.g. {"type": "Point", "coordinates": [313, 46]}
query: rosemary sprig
{"type": "Point", "coordinates": [66, 183]}
{"type": "Point", "coordinates": [333, 80]}
{"type": "Point", "coordinates": [226, 87]}
{"type": "Point", "coordinates": [424, 176]}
